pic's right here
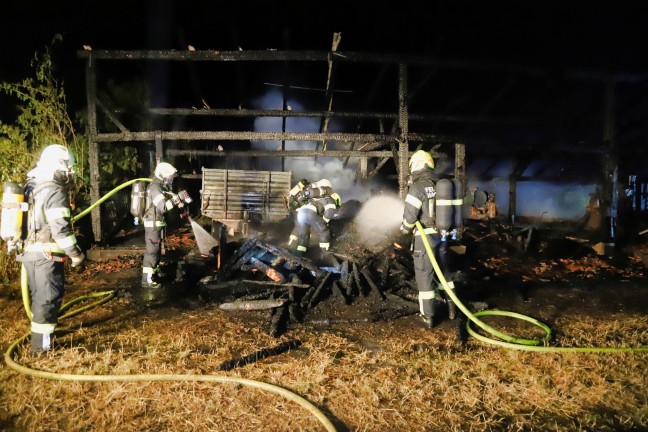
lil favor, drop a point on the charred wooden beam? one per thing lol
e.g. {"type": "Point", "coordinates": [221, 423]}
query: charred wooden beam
{"type": "Point", "coordinates": [338, 293]}
{"type": "Point", "coordinates": [305, 56]}
{"type": "Point", "coordinates": [384, 269]}
{"type": "Point", "coordinates": [278, 153]}
{"type": "Point", "coordinates": [289, 257]}
{"type": "Point", "coordinates": [356, 279]}
{"type": "Point", "coordinates": [240, 256]}
{"type": "Point", "coordinates": [253, 304]}
{"type": "Point", "coordinates": [372, 284]}
{"type": "Point", "coordinates": [237, 254]}
{"type": "Point", "coordinates": [318, 292]}
{"type": "Point", "coordinates": [272, 273]}
{"type": "Point", "coordinates": [263, 295]}
{"type": "Point", "coordinates": [278, 321]}
{"type": "Point", "coordinates": [269, 136]}
{"type": "Point", "coordinates": [261, 284]}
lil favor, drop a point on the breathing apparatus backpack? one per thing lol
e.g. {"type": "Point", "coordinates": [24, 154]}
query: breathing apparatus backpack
{"type": "Point", "coordinates": [16, 201]}
{"type": "Point", "coordinates": [138, 201]}
{"type": "Point", "coordinates": [449, 208]}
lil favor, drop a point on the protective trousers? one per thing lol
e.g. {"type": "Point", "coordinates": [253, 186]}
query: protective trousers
{"type": "Point", "coordinates": [307, 219]}
{"type": "Point", "coordinates": [46, 281]}
{"type": "Point", "coordinates": [424, 272]}
{"type": "Point", "coordinates": [151, 260]}
{"type": "Point", "coordinates": [294, 235]}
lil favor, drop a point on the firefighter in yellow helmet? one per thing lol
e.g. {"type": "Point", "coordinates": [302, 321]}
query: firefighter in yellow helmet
{"type": "Point", "coordinates": [420, 206]}
{"type": "Point", "coordinates": [159, 200]}
{"type": "Point", "coordinates": [50, 239]}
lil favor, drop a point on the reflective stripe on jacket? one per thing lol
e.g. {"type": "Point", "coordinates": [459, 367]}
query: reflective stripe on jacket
{"type": "Point", "coordinates": [50, 230]}
{"type": "Point", "coordinates": [420, 201]}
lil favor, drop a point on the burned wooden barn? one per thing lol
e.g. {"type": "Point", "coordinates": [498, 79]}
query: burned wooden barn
{"type": "Point", "coordinates": [485, 122]}
{"type": "Point", "coordinates": [505, 132]}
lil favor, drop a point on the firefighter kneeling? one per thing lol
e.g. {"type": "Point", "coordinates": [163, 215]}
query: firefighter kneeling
{"type": "Point", "coordinates": [49, 239]}
{"type": "Point", "coordinates": [424, 204]}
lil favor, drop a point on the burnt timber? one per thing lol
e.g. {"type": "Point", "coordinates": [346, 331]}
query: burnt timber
{"type": "Point", "coordinates": [396, 142]}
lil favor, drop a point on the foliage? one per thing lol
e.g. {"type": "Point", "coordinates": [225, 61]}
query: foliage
{"type": "Point", "coordinates": [41, 119]}
{"type": "Point", "coordinates": [118, 164]}
{"type": "Point", "coordinates": [42, 112]}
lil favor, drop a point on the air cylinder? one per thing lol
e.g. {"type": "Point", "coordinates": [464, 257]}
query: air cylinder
{"type": "Point", "coordinates": [138, 200]}
{"type": "Point", "coordinates": [444, 207]}
{"type": "Point", "coordinates": [12, 212]}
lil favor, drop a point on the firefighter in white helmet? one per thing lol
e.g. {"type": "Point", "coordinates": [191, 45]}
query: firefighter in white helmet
{"type": "Point", "coordinates": [420, 206]}
{"type": "Point", "coordinates": [303, 193]}
{"type": "Point", "coordinates": [50, 240]}
{"type": "Point", "coordinates": [159, 200]}
{"type": "Point", "coordinates": [320, 206]}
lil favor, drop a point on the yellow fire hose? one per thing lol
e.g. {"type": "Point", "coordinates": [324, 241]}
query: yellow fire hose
{"type": "Point", "coordinates": [105, 297]}
{"type": "Point", "coordinates": [504, 340]}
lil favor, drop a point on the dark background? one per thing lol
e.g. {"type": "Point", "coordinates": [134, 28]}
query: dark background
{"type": "Point", "coordinates": [605, 36]}
{"type": "Point", "coordinates": [562, 39]}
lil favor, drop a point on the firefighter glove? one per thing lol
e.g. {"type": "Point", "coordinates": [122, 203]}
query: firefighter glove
{"type": "Point", "coordinates": [78, 259]}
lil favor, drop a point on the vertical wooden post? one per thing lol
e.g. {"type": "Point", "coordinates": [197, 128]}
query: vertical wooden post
{"type": "Point", "coordinates": [93, 146]}
{"type": "Point", "coordinates": [610, 163]}
{"type": "Point", "coordinates": [460, 165]}
{"type": "Point", "coordinates": [403, 143]}
{"type": "Point", "coordinates": [512, 193]}
{"type": "Point", "coordinates": [159, 150]}
{"type": "Point", "coordinates": [363, 168]}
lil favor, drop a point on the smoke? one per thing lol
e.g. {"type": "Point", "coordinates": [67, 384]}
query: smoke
{"type": "Point", "coordinates": [379, 219]}
{"type": "Point", "coordinates": [343, 178]}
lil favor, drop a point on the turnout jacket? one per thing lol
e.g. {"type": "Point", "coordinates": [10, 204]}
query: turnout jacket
{"type": "Point", "coordinates": [325, 207]}
{"type": "Point", "coordinates": [49, 228]}
{"type": "Point", "coordinates": [159, 199]}
{"type": "Point", "coordinates": [420, 202]}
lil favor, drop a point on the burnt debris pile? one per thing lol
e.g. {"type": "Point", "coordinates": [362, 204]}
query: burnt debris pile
{"type": "Point", "coordinates": [356, 285]}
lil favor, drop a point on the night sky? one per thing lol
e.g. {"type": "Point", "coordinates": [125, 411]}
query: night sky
{"type": "Point", "coordinates": [554, 34]}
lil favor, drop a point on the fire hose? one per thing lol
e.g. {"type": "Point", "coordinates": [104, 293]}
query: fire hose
{"type": "Point", "coordinates": [105, 297]}
{"type": "Point", "coordinates": [504, 340]}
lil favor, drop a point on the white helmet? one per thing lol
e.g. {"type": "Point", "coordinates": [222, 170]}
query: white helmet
{"type": "Point", "coordinates": [323, 183]}
{"type": "Point", "coordinates": [53, 159]}
{"type": "Point", "coordinates": [165, 172]}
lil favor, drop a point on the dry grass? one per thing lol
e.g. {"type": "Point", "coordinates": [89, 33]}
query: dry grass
{"type": "Point", "coordinates": [368, 377]}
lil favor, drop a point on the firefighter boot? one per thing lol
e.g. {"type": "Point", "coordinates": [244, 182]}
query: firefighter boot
{"type": "Point", "coordinates": [452, 309]}
{"type": "Point", "coordinates": [428, 320]}
{"type": "Point", "coordinates": [41, 343]}
{"type": "Point", "coordinates": [148, 281]}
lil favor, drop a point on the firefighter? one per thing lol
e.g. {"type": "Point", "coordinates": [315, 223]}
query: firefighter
{"type": "Point", "coordinates": [49, 240]}
{"type": "Point", "coordinates": [159, 200]}
{"type": "Point", "coordinates": [316, 214]}
{"type": "Point", "coordinates": [420, 206]}
{"type": "Point", "coordinates": [295, 200]}
{"type": "Point", "coordinates": [302, 193]}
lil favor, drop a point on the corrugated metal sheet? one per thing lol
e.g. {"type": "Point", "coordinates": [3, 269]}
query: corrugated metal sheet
{"type": "Point", "coordinates": [228, 194]}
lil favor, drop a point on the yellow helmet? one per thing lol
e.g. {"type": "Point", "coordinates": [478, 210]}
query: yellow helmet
{"type": "Point", "coordinates": [338, 200]}
{"type": "Point", "coordinates": [420, 160]}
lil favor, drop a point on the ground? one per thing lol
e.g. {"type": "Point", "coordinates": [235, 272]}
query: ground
{"type": "Point", "coordinates": [365, 370]}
